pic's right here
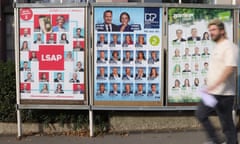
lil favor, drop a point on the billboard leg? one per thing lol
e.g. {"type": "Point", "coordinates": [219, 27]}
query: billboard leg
{"type": "Point", "coordinates": [91, 123]}
{"type": "Point", "coordinates": [19, 124]}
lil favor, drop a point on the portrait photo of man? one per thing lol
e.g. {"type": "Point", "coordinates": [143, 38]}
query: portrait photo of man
{"type": "Point", "coordinates": [25, 66]}
{"type": "Point", "coordinates": [101, 40]}
{"type": "Point", "coordinates": [140, 90]}
{"type": "Point", "coordinates": [74, 78]}
{"type": "Point", "coordinates": [29, 77]}
{"type": "Point", "coordinates": [194, 36]}
{"type": "Point", "coordinates": [101, 89]}
{"type": "Point", "coordinates": [107, 25]}
{"type": "Point", "coordinates": [59, 77]}
{"type": "Point", "coordinates": [153, 90]}
{"type": "Point", "coordinates": [115, 40]}
{"type": "Point", "coordinates": [114, 89]}
{"type": "Point", "coordinates": [102, 57]}
{"type": "Point", "coordinates": [179, 36]}
{"type": "Point", "coordinates": [153, 58]}
{"type": "Point", "coordinates": [127, 57]}
{"type": "Point", "coordinates": [114, 75]}
{"type": "Point", "coordinates": [128, 73]}
{"type": "Point", "coordinates": [140, 75]}
{"type": "Point", "coordinates": [101, 73]}
{"type": "Point", "coordinates": [127, 90]}
{"type": "Point", "coordinates": [78, 33]}
{"type": "Point", "coordinates": [115, 58]}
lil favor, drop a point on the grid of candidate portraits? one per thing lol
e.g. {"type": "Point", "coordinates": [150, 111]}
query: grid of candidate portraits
{"type": "Point", "coordinates": [127, 65]}
{"type": "Point", "coordinates": [126, 72]}
{"type": "Point", "coordinates": [188, 65]}
{"type": "Point", "coordinates": [52, 54]}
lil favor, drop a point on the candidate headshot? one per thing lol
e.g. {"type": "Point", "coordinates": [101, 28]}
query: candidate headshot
{"type": "Point", "coordinates": [58, 77]}
{"type": "Point", "coordinates": [124, 20]}
{"type": "Point", "coordinates": [108, 25]}
{"type": "Point", "coordinates": [115, 40]}
{"type": "Point", "coordinates": [176, 84]}
{"type": "Point", "coordinates": [78, 46]}
{"type": "Point", "coordinates": [78, 33]}
{"type": "Point", "coordinates": [140, 40]}
{"type": "Point", "coordinates": [38, 38]}
{"type": "Point", "coordinates": [51, 38]}
{"type": "Point", "coordinates": [68, 56]}
{"type": "Point", "coordinates": [63, 39]}
{"type": "Point", "coordinates": [114, 89]}
{"type": "Point", "coordinates": [115, 73]}
{"type": "Point", "coordinates": [153, 57]}
{"type": "Point", "coordinates": [25, 66]}
{"type": "Point", "coordinates": [25, 32]}
{"type": "Point", "coordinates": [186, 53]}
{"type": "Point", "coordinates": [128, 73]}
{"type": "Point", "coordinates": [127, 89]}
{"type": "Point", "coordinates": [102, 57]}
{"type": "Point", "coordinates": [79, 67]}
{"type": "Point", "coordinates": [78, 89]}
{"type": "Point", "coordinates": [43, 76]}
{"type": "Point", "coordinates": [153, 73]}
{"type": "Point", "coordinates": [127, 40]}
{"type": "Point", "coordinates": [115, 57]}
{"type": "Point", "coordinates": [42, 23]}
{"type": "Point", "coordinates": [60, 24]}
{"type": "Point", "coordinates": [179, 37]}
{"type": "Point", "coordinates": [59, 89]}
{"type": "Point", "coordinates": [101, 89]}
{"type": "Point", "coordinates": [186, 68]}
{"type": "Point", "coordinates": [25, 88]}
{"type": "Point", "coordinates": [153, 90]}
{"type": "Point", "coordinates": [25, 46]}
{"type": "Point", "coordinates": [194, 35]}
{"type": "Point", "coordinates": [140, 89]}
{"type": "Point", "coordinates": [74, 78]}
{"type": "Point", "coordinates": [127, 57]}
{"type": "Point", "coordinates": [29, 77]}
{"type": "Point", "coordinates": [140, 75]}
{"type": "Point", "coordinates": [140, 59]}
{"type": "Point", "coordinates": [101, 73]}
{"type": "Point", "coordinates": [102, 40]}
{"type": "Point", "coordinates": [44, 88]}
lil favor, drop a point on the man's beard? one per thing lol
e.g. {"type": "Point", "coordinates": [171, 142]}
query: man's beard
{"type": "Point", "coordinates": [217, 38]}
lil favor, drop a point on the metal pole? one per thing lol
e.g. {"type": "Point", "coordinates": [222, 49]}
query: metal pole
{"type": "Point", "coordinates": [16, 31]}
{"type": "Point", "coordinates": [90, 55]}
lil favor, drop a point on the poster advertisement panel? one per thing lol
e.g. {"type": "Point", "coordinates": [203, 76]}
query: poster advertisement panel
{"type": "Point", "coordinates": [52, 51]}
{"type": "Point", "coordinates": [127, 55]}
{"type": "Point", "coordinates": [189, 50]}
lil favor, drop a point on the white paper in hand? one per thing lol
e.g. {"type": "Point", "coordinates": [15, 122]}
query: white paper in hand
{"type": "Point", "coordinates": [207, 99]}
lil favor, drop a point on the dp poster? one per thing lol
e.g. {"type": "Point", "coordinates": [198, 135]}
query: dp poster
{"type": "Point", "coordinates": [127, 54]}
{"type": "Point", "coordinates": [52, 46]}
{"type": "Point", "coordinates": [189, 50]}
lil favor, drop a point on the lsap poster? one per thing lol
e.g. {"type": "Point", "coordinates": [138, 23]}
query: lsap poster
{"type": "Point", "coordinates": [127, 54]}
{"type": "Point", "coordinates": [189, 49]}
{"type": "Point", "coordinates": [52, 47]}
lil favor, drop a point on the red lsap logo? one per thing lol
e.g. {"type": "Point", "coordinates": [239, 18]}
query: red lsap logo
{"type": "Point", "coordinates": [51, 57]}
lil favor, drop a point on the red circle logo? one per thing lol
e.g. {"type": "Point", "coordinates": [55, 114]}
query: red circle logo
{"type": "Point", "coordinates": [26, 14]}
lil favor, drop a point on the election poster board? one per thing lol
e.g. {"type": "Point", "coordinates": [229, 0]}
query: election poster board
{"type": "Point", "coordinates": [127, 56]}
{"type": "Point", "coordinates": [52, 55]}
{"type": "Point", "coordinates": [189, 50]}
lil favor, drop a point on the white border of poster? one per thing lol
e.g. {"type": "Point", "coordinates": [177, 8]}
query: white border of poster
{"type": "Point", "coordinates": [122, 66]}
{"type": "Point", "coordinates": [52, 53]}
{"type": "Point", "coordinates": [189, 50]}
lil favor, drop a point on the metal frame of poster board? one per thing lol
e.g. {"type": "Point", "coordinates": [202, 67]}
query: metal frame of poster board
{"type": "Point", "coordinates": [74, 104]}
{"type": "Point", "coordinates": [106, 100]}
{"type": "Point", "coordinates": [233, 11]}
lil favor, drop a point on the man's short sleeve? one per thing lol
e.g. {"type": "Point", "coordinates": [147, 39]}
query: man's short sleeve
{"type": "Point", "coordinates": [231, 55]}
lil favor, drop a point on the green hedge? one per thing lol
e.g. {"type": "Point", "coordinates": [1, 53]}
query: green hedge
{"type": "Point", "coordinates": [79, 119]}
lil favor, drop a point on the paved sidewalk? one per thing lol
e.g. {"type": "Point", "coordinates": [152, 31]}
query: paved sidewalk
{"type": "Point", "coordinates": [189, 137]}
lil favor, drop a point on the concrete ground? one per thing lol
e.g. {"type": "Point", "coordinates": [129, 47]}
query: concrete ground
{"type": "Point", "coordinates": [183, 137]}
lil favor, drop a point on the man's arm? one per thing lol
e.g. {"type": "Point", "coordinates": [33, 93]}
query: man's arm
{"type": "Point", "coordinates": [225, 74]}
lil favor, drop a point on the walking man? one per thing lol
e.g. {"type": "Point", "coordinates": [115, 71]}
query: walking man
{"type": "Point", "coordinates": [221, 84]}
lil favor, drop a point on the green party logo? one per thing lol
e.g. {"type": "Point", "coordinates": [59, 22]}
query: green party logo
{"type": "Point", "coordinates": [154, 40]}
